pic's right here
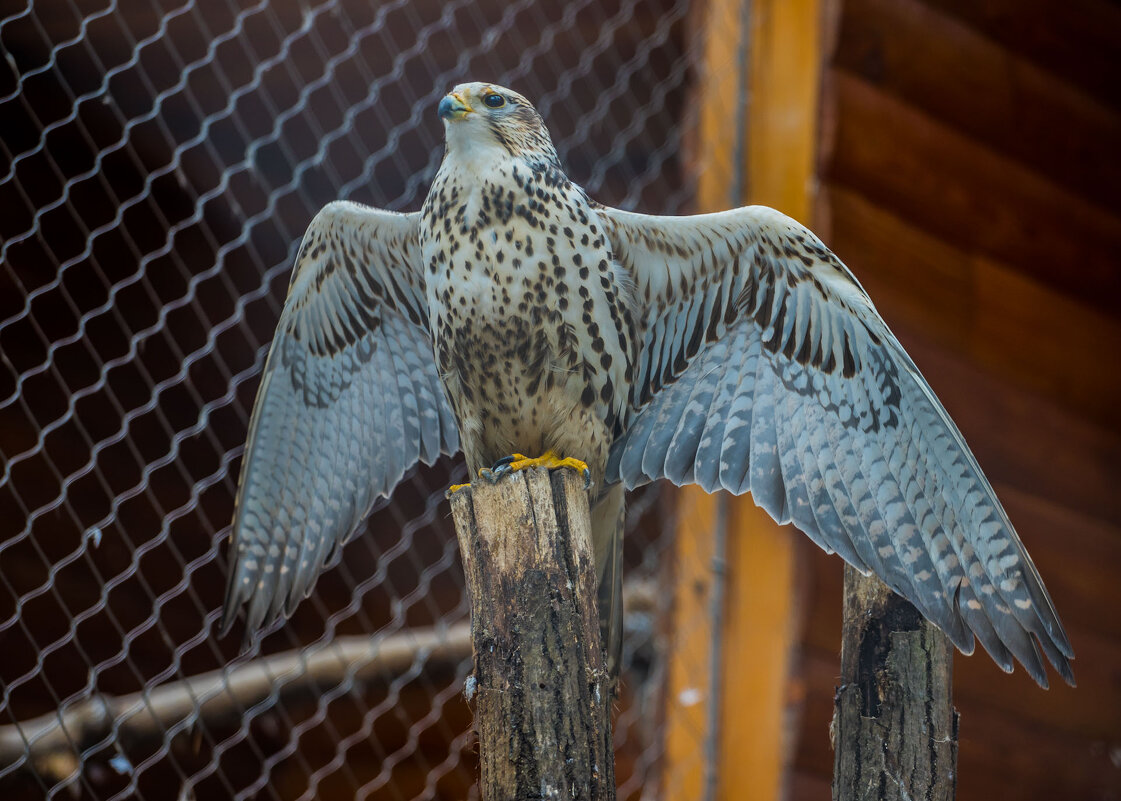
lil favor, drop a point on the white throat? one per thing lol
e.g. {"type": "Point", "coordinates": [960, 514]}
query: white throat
{"type": "Point", "coordinates": [469, 143]}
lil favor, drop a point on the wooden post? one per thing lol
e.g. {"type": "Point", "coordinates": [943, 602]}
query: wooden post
{"type": "Point", "coordinates": [543, 693]}
{"type": "Point", "coordinates": [895, 730]}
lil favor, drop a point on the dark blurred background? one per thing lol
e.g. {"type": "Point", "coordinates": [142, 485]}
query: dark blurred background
{"type": "Point", "coordinates": [159, 161]}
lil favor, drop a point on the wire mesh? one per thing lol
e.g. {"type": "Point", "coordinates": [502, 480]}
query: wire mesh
{"type": "Point", "coordinates": [159, 161]}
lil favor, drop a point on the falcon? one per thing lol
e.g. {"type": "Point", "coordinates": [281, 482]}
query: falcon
{"type": "Point", "coordinates": [518, 320]}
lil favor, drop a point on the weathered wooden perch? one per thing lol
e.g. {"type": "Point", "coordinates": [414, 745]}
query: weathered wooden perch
{"type": "Point", "coordinates": [50, 744]}
{"type": "Point", "coordinates": [895, 730]}
{"type": "Point", "coordinates": [542, 709]}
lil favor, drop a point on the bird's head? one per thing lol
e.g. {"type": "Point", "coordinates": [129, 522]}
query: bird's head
{"type": "Point", "coordinates": [482, 117]}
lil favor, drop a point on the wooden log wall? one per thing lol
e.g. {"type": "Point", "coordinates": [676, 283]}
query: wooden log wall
{"type": "Point", "coordinates": [968, 174]}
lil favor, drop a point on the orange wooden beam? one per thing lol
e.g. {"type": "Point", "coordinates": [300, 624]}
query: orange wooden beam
{"type": "Point", "coordinates": [690, 692]}
{"type": "Point", "coordinates": [760, 609]}
{"type": "Point", "coordinates": [761, 621]}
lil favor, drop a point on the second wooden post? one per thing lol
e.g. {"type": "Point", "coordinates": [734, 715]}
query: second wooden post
{"type": "Point", "coordinates": [894, 725]}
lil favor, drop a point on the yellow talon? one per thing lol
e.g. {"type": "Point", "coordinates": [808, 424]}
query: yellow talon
{"type": "Point", "coordinates": [549, 460]}
{"type": "Point", "coordinates": [454, 488]}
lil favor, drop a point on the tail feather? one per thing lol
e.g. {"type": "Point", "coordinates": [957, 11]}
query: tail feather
{"type": "Point", "coordinates": [607, 542]}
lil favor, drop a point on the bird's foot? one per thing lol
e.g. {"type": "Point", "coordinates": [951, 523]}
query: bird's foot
{"type": "Point", "coordinates": [454, 488]}
{"type": "Point", "coordinates": [516, 461]}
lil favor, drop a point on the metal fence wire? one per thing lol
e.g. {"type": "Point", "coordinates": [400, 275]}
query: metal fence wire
{"type": "Point", "coordinates": [159, 161]}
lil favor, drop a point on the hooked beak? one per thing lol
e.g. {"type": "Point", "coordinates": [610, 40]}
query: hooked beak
{"type": "Point", "coordinates": [454, 107]}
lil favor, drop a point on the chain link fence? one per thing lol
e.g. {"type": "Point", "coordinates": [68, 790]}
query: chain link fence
{"type": "Point", "coordinates": [159, 161]}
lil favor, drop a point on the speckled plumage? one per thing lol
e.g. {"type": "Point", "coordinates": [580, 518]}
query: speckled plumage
{"type": "Point", "coordinates": [731, 350]}
{"type": "Point", "coordinates": [531, 317]}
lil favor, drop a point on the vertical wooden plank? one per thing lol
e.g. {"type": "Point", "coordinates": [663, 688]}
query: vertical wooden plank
{"type": "Point", "coordinates": [762, 612]}
{"type": "Point", "coordinates": [759, 628]}
{"type": "Point", "coordinates": [761, 632]}
{"type": "Point", "coordinates": [690, 690]}
{"type": "Point", "coordinates": [782, 124]}
{"type": "Point", "coordinates": [687, 774]}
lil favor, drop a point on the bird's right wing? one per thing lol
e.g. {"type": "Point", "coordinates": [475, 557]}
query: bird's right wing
{"type": "Point", "coordinates": [349, 400]}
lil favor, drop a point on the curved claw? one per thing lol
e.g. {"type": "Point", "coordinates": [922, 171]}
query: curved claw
{"type": "Point", "coordinates": [505, 461]}
{"type": "Point", "coordinates": [587, 479]}
{"type": "Point", "coordinates": [501, 467]}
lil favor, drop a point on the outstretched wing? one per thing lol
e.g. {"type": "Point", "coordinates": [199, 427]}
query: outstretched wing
{"type": "Point", "coordinates": [349, 400]}
{"type": "Point", "coordinates": [765, 367]}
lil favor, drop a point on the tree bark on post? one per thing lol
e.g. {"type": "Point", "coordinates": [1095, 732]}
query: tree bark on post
{"type": "Point", "coordinates": [543, 693]}
{"type": "Point", "coordinates": [895, 730]}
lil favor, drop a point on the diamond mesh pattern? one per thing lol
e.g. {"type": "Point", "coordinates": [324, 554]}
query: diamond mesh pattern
{"type": "Point", "coordinates": [159, 160]}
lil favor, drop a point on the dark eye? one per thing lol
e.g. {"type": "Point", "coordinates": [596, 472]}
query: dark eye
{"type": "Point", "coordinates": [494, 100]}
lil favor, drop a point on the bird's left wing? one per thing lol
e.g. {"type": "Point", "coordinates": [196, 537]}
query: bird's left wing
{"type": "Point", "coordinates": [349, 400]}
{"type": "Point", "coordinates": [764, 367]}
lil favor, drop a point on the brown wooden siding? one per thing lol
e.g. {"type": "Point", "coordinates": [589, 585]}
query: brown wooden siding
{"type": "Point", "coordinates": [969, 176]}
